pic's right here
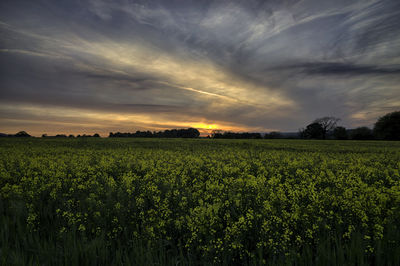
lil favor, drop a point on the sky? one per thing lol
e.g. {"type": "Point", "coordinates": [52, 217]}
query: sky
{"type": "Point", "coordinates": [100, 66]}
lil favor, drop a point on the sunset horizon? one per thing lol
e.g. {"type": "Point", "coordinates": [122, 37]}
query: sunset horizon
{"type": "Point", "coordinates": [84, 67]}
{"type": "Point", "coordinates": [200, 132]}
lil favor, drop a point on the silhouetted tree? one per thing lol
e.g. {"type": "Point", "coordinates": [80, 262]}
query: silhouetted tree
{"type": "Point", "coordinates": [96, 135]}
{"type": "Point", "coordinates": [188, 133]}
{"type": "Point", "coordinates": [71, 136]}
{"type": "Point", "coordinates": [22, 134]}
{"type": "Point", "coordinates": [313, 131]}
{"type": "Point", "coordinates": [340, 133]}
{"type": "Point", "coordinates": [388, 126]}
{"type": "Point", "coordinates": [216, 134]}
{"type": "Point", "coordinates": [233, 135]}
{"type": "Point", "coordinates": [327, 123]}
{"type": "Point", "coordinates": [44, 135]}
{"type": "Point", "coordinates": [173, 133]}
{"type": "Point", "coordinates": [361, 133]}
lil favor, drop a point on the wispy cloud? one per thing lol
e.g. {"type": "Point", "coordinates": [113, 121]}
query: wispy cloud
{"type": "Point", "coordinates": [338, 69]}
{"type": "Point", "coordinates": [244, 65]}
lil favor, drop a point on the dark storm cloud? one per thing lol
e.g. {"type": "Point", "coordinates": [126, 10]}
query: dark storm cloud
{"type": "Point", "coordinates": [116, 77]}
{"type": "Point", "coordinates": [327, 68]}
{"type": "Point", "coordinates": [251, 64]}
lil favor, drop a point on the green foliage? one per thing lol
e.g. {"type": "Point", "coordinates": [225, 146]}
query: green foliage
{"type": "Point", "coordinates": [90, 201]}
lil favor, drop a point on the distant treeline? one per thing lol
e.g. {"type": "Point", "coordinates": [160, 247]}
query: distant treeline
{"type": "Point", "coordinates": [20, 134]}
{"type": "Point", "coordinates": [71, 136]}
{"type": "Point", "coordinates": [24, 134]}
{"type": "Point", "coordinates": [247, 135]}
{"type": "Point", "coordinates": [386, 128]}
{"type": "Point", "coordinates": [173, 133]}
{"type": "Point", "coordinates": [233, 135]}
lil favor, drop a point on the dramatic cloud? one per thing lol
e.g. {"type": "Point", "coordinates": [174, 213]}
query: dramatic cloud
{"type": "Point", "coordinates": [326, 68]}
{"type": "Point", "coordinates": [99, 66]}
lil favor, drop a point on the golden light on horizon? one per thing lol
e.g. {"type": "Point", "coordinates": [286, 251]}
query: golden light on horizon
{"type": "Point", "coordinates": [62, 120]}
{"type": "Point", "coordinates": [205, 126]}
{"type": "Point", "coordinates": [127, 66]}
{"type": "Point", "coordinates": [181, 78]}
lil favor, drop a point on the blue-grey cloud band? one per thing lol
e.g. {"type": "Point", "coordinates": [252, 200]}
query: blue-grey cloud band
{"type": "Point", "coordinates": [239, 65]}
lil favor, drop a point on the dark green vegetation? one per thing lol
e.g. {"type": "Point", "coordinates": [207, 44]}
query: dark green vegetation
{"type": "Point", "coordinates": [388, 126]}
{"type": "Point", "coordinates": [91, 201]}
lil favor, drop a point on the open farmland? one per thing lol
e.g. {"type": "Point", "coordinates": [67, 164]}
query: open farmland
{"type": "Point", "coordinates": [197, 201]}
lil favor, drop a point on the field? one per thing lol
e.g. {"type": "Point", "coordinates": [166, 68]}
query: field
{"type": "Point", "coordinates": [94, 201]}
